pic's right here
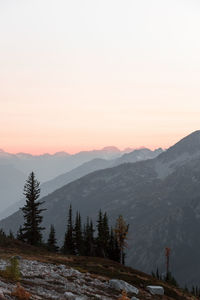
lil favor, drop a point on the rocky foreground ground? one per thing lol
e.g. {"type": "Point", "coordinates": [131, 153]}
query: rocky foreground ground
{"type": "Point", "coordinates": [56, 277]}
{"type": "Point", "coordinates": [49, 281]}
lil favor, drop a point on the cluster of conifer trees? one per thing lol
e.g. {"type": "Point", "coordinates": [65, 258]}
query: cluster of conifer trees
{"type": "Point", "coordinates": [85, 240]}
{"type": "Point", "coordinates": [195, 291]}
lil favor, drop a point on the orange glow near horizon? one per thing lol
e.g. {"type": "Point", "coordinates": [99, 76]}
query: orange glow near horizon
{"type": "Point", "coordinates": [73, 78]}
{"type": "Point", "coordinates": [39, 150]}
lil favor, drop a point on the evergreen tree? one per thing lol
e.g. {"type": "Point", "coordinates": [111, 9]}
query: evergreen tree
{"type": "Point", "coordinates": [169, 278]}
{"type": "Point", "coordinates": [89, 244]}
{"type": "Point", "coordinates": [78, 236]}
{"type": "Point", "coordinates": [193, 290]}
{"type": "Point", "coordinates": [106, 235]}
{"type": "Point", "coordinates": [186, 289]}
{"type": "Point", "coordinates": [158, 276]}
{"type": "Point", "coordinates": [117, 251]}
{"type": "Point", "coordinates": [100, 236]}
{"type": "Point", "coordinates": [69, 246]}
{"type": "Point", "coordinates": [32, 212]}
{"type": "Point", "coordinates": [52, 242]}
{"type": "Point", "coordinates": [92, 240]}
{"type": "Point", "coordinates": [20, 235]}
{"type": "Point", "coordinates": [196, 291]}
{"type": "Point", "coordinates": [111, 245]}
{"type": "Point", "coordinates": [3, 237]}
{"type": "Point", "coordinates": [11, 235]}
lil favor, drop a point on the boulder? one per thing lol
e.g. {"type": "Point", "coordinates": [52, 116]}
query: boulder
{"type": "Point", "coordinates": [155, 290]}
{"type": "Point", "coordinates": [121, 285]}
{"type": "Point", "coordinates": [69, 296]}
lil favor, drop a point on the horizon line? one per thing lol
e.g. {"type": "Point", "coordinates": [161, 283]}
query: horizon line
{"type": "Point", "coordinates": [36, 153]}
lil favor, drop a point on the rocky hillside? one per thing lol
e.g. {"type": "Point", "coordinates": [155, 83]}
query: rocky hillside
{"type": "Point", "coordinates": [159, 198]}
{"type": "Point", "coordinates": [47, 276]}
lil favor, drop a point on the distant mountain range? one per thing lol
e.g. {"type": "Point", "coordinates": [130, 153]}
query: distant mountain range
{"type": "Point", "coordinates": [14, 169]}
{"type": "Point", "coordinates": [48, 166]}
{"type": "Point", "coordinates": [159, 198]}
{"type": "Point", "coordinates": [78, 172]}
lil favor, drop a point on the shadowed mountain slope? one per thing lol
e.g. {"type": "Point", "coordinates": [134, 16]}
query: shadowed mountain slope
{"type": "Point", "coordinates": [159, 198]}
{"type": "Point", "coordinates": [82, 170]}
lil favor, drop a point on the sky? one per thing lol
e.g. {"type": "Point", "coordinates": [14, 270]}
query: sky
{"type": "Point", "coordinates": [84, 74]}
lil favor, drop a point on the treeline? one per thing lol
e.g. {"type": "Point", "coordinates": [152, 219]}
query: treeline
{"type": "Point", "coordinates": [80, 239]}
{"type": "Point", "coordinates": [89, 240]}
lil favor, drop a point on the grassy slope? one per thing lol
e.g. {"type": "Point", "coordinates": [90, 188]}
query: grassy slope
{"type": "Point", "coordinates": [99, 267]}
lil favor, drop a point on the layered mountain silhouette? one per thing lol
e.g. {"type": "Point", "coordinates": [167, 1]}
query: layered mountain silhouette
{"type": "Point", "coordinates": [14, 169]}
{"type": "Point", "coordinates": [48, 166]}
{"type": "Point", "coordinates": [159, 198]}
{"type": "Point", "coordinates": [84, 169]}
{"type": "Point", "coordinates": [94, 165]}
{"type": "Point", "coordinates": [11, 184]}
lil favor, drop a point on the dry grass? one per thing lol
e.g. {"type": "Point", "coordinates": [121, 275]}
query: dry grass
{"type": "Point", "coordinates": [20, 293]}
{"type": "Point", "coordinates": [124, 296]}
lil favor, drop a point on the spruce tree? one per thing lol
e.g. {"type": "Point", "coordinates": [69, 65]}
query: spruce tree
{"type": "Point", "coordinates": [100, 236]}
{"type": "Point", "coordinates": [52, 242]}
{"type": "Point", "coordinates": [11, 235]}
{"type": "Point", "coordinates": [169, 278]}
{"type": "Point", "coordinates": [88, 238]}
{"type": "Point", "coordinates": [111, 245]}
{"type": "Point", "coordinates": [117, 250]}
{"type": "Point", "coordinates": [92, 240]}
{"type": "Point", "coordinates": [158, 276]}
{"type": "Point", "coordinates": [105, 235]}
{"type": "Point", "coordinates": [69, 246]}
{"type": "Point", "coordinates": [32, 231]}
{"type": "Point", "coordinates": [20, 235]}
{"type": "Point", "coordinates": [78, 236]}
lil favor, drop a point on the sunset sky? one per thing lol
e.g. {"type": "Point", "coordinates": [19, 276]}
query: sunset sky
{"type": "Point", "coordinates": [84, 74]}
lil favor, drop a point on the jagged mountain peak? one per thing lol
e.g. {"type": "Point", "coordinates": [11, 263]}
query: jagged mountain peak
{"type": "Point", "coordinates": [110, 149]}
{"type": "Point", "coordinates": [187, 146]}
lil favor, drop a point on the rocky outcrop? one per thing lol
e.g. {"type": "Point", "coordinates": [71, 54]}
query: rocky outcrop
{"type": "Point", "coordinates": [155, 290]}
{"type": "Point", "coordinates": [121, 285]}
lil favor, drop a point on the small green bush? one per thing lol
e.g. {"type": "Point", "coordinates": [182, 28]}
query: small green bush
{"type": "Point", "coordinates": [12, 271]}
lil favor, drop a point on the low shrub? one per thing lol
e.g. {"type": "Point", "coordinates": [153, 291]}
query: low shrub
{"type": "Point", "coordinates": [124, 296]}
{"type": "Point", "coordinates": [12, 271]}
{"type": "Point", "coordinates": [20, 293]}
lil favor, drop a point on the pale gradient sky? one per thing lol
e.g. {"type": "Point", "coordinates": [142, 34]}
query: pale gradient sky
{"type": "Point", "coordinates": [83, 74]}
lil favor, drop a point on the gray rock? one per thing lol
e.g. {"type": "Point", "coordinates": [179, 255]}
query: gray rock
{"type": "Point", "coordinates": [155, 290]}
{"type": "Point", "coordinates": [121, 285]}
{"type": "Point", "coordinates": [69, 296]}
{"type": "Point", "coordinates": [133, 298]}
